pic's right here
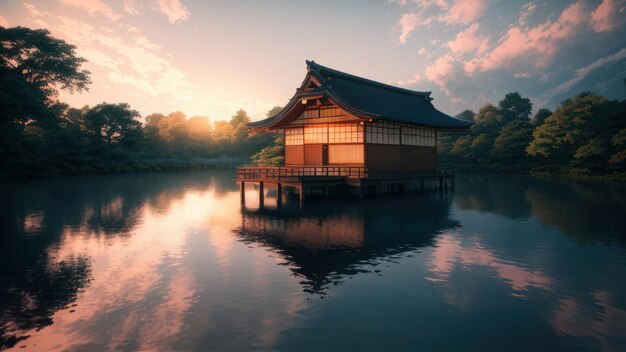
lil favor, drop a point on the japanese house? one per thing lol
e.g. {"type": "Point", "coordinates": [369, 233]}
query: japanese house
{"type": "Point", "coordinates": [340, 129]}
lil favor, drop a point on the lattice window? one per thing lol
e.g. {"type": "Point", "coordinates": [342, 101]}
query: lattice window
{"type": "Point", "coordinates": [316, 134]}
{"type": "Point", "coordinates": [383, 133]}
{"type": "Point", "coordinates": [420, 136]}
{"type": "Point", "coordinates": [345, 133]}
{"type": "Point", "coordinates": [294, 136]}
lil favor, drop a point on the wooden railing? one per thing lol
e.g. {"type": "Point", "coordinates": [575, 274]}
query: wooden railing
{"type": "Point", "coordinates": [286, 173]}
{"type": "Point", "coordinates": [294, 173]}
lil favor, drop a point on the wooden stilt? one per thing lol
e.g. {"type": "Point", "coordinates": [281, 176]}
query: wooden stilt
{"type": "Point", "coordinates": [242, 190]}
{"type": "Point", "coordinates": [279, 195]}
{"type": "Point", "coordinates": [261, 195]}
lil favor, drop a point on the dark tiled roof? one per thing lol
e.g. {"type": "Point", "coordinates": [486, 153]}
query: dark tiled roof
{"type": "Point", "coordinates": [369, 99]}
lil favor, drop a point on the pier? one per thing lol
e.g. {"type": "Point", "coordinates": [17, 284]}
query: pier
{"type": "Point", "coordinates": [329, 181]}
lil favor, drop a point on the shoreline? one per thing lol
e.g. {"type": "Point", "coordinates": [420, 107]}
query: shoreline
{"type": "Point", "coordinates": [52, 170]}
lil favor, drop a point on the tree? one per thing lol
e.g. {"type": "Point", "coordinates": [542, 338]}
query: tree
{"type": "Point", "coordinates": [579, 131]}
{"type": "Point", "coordinates": [44, 62]}
{"type": "Point", "coordinates": [271, 156]}
{"type": "Point", "coordinates": [619, 141]}
{"type": "Point", "coordinates": [512, 141]}
{"type": "Point", "coordinates": [514, 107]}
{"type": "Point", "coordinates": [241, 117]}
{"type": "Point", "coordinates": [33, 65]}
{"type": "Point", "coordinates": [273, 111]}
{"type": "Point", "coordinates": [173, 128]}
{"type": "Point", "coordinates": [540, 117]}
{"type": "Point", "coordinates": [199, 128]}
{"type": "Point", "coordinates": [461, 147]}
{"type": "Point", "coordinates": [444, 145]}
{"type": "Point", "coordinates": [487, 120]}
{"type": "Point", "coordinates": [467, 115]}
{"type": "Point", "coordinates": [480, 147]}
{"type": "Point", "coordinates": [112, 123]}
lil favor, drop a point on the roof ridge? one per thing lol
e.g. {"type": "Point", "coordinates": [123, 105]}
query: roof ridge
{"type": "Point", "coordinates": [312, 65]}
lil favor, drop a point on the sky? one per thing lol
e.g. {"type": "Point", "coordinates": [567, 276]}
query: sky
{"type": "Point", "coordinates": [212, 58]}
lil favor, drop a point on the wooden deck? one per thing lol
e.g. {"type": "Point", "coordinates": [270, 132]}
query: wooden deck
{"type": "Point", "coordinates": [307, 181]}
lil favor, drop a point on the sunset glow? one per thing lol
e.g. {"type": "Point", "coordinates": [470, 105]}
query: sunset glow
{"type": "Point", "coordinates": [214, 58]}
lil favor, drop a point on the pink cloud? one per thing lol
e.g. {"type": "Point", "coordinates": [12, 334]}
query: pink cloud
{"type": "Point", "coordinates": [605, 17]}
{"type": "Point", "coordinates": [468, 40]}
{"type": "Point", "coordinates": [461, 12]}
{"type": "Point", "coordinates": [132, 7]}
{"type": "Point", "coordinates": [93, 7]}
{"type": "Point", "coordinates": [409, 23]}
{"type": "Point", "coordinates": [450, 251]}
{"type": "Point", "coordinates": [539, 43]}
{"type": "Point", "coordinates": [464, 11]}
{"type": "Point", "coordinates": [413, 80]}
{"type": "Point", "coordinates": [32, 10]}
{"type": "Point", "coordinates": [173, 9]}
{"type": "Point", "coordinates": [3, 21]}
{"type": "Point", "coordinates": [441, 71]}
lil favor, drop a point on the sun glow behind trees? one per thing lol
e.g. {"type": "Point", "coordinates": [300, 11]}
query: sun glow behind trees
{"type": "Point", "coordinates": [43, 136]}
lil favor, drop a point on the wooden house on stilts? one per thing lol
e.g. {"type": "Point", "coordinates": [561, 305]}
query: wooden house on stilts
{"type": "Point", "coordinates": [349, 135]}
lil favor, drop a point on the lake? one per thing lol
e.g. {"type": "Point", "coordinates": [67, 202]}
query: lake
{"type": "Point", "coordinates": [172, 261]}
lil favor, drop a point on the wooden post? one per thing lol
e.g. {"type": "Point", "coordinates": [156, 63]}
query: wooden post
{"type": "Point", "coordinates": [242, 190]}
{"type": "Point", "coordinates": [301, 192]}
{"type": "Point", "coordinates": [261, 195]}
{"type": "Point", "coordinates": [279, 194]}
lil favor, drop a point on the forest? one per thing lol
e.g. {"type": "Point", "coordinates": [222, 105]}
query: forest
{"type": "Point", "coordinates": [42, 136]}
{"type": "Point", "coordinates": [585, 135]}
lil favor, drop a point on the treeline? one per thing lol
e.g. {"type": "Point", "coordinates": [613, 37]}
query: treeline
{"type": "Point", "coordinates": [585, 135]}
{"type": "Point", "coordinates": [41, 136]}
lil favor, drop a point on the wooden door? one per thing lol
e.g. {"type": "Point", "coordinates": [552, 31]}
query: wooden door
{"type": "Point", "coordinates": [324, 154]}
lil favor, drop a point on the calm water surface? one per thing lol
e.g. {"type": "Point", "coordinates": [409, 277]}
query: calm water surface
{"type": "Point", "coordinates": [171, 261]}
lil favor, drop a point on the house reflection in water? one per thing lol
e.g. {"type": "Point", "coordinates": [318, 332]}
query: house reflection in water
{"type": "Point", "coordinates": [325, 243]}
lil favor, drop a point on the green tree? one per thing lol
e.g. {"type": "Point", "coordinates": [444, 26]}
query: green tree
{"type": "Point", "coordinates": [33, 65]}
{"type": "Point", "coordinates": [173, 128]}
{"type": "Point", "coordinates": [271, 156]}
{"type": "Point", "coordinates": [467, 115]}
{"type": "Point", "coordinates": [512, 141]}
{"type": "Point", "coordinates": [540, 117]}
{"type": "Point", "coordinates": [112, 123]}
{"type": "Point", "coordinates": [240, 117]}
{"type": "Point", "coordinates": [618, 157]}
{"type": "Point", "coordinates": [579, 131]}
{"type": "Point", "coordinates": [461, 147]}
{"type": "Point", "coordinates": [199, 127]}
{"type": "Point", "coordinates": [514, 107]}
{"type": "Point", "coordinates": [488, 120]}
{"type": "Point", "coordinates": [273, 111]}
{"type": "Point", "coordinates": [481, 146]}
{"type": "Point", "coordinates": [45, 62]}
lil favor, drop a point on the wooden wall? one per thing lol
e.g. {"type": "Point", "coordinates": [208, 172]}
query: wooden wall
{"type": "Point", "coordinates": [294, 154]}
{"type": "Point", "coordinates": [400, 157]}
{"type": "Point", "coordinates": [346, 154]}
{"type": "Point", "coordinates": [312, 154]}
